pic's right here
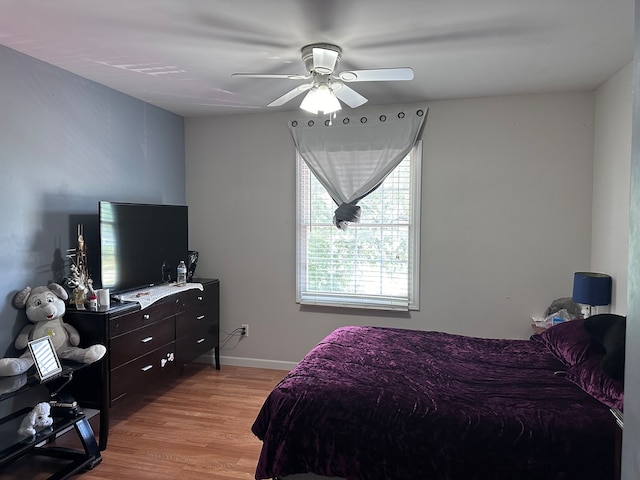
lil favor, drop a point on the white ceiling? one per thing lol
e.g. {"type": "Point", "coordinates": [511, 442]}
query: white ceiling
{"type": "Point", "coordinates": [180, 54]}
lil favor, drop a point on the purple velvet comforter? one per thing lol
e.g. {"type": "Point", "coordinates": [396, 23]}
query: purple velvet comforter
{"type": "Point", "coordinates": [373, 403]}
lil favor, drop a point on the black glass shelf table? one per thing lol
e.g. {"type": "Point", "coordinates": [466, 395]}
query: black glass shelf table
{"type": "Point", "coordinates": [66, 416]}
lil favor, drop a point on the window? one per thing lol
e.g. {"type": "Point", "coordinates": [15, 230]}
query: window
{"type": "Point", "coordinates": [372, 264]}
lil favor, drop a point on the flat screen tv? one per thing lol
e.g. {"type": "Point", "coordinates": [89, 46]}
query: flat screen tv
{"type": "Point", "coordinates": [140, 244]}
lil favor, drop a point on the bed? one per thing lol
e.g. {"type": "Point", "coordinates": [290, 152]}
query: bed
{"type": "Point", "coordinates": [372, 403]}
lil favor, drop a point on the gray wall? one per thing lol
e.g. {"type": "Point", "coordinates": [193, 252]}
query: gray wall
{"type": "Point", "coordinates": [506, 220]}
{"type": "Point", "coordinates": [65, 143]}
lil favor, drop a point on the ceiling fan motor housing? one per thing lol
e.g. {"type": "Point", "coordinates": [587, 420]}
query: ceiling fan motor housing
{"type": "Point", "coordinates": [311, 66]}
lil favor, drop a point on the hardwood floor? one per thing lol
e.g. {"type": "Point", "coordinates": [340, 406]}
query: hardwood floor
{"type": "Point", "coordinates": [197, 427]}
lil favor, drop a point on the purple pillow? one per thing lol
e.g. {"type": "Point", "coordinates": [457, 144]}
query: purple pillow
{"type": "Point", "coordinates": [590, 377]}
{"type": "Point", "coordinates": [570, 342]}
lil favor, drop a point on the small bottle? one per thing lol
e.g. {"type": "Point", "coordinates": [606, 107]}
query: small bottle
{"type": "Point", "coordinates": [93, 303]}
{"type": "Point", "coordinates": [182, 273]}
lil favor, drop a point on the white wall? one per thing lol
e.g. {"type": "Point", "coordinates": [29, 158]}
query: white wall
{"type": "Point", "coordinates": [612, 160]}
{"type": "Point", "coordinates": [631, 434]}
{"type": "Point", "coordinates": [506, 221]}
{"type": "Point", "coordinates": [611, 232]}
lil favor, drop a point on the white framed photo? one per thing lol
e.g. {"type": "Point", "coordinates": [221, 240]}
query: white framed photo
{"type": "Point", "coordinates": [45, 357]}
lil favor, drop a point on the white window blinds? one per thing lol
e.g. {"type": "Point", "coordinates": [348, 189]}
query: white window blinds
{"type": "Point", "coordinates": [374, 263]}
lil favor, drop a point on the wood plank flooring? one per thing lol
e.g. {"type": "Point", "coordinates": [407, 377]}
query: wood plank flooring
{"type": "Point", "coordinates": [196, 427]}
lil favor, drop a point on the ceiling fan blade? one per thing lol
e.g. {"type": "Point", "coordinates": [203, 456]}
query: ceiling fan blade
{"type": "Point", "coordinates": [324, 60]}
{"type": "Point", "coordinates": [285, 76]}
{"type": "Point", "coordinates": [377, 75]}
{"type": "Point", "coordinates": [290, 95]}
{"type": "Point", "coordinates": [349, 96]}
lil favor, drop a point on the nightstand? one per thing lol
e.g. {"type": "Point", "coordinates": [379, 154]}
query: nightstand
{"type": "Point", "coordinates": [537, 328]}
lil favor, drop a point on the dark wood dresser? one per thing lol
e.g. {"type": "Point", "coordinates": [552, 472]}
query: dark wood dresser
{"type": "Point", "coordinates": [144, 345]}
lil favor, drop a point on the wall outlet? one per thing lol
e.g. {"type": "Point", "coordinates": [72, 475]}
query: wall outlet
{"type": "Point", "coordinates": [244, 332]}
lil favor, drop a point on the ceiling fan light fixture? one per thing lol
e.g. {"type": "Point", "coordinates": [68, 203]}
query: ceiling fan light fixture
{"type": "Point", "coordinates": [320, 99]}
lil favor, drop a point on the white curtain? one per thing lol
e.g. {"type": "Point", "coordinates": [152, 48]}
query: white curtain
{"type": "Point", "coordinates": [352, 154]}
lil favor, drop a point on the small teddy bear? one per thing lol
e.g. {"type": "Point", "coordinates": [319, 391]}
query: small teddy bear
{"type": "Point", "coordinates": [37, 419]}
{"type": "Point", "coordinates": [45, 308]}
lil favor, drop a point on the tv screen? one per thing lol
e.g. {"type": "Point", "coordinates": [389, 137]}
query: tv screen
{"type": "Point", "coordinates": [141, 244]}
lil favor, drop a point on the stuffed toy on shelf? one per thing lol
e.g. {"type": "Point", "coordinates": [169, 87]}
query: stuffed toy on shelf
{"type": "Point", "coordinates": [45, 307]}
{"type": "Point", "coordinates": [37, 419]}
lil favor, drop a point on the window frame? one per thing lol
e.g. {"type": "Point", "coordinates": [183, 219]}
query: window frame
{"type": "Point", "coordinates": [366, 301]}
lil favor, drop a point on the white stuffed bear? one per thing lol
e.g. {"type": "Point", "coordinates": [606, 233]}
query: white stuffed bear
{"type": "Point", "coordinates": [37, 419]}
{"type": "Point", "coordinates": [45, 307]}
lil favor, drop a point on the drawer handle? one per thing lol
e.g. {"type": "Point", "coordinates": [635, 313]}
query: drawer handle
{"type": "Point", "coordinates": [200, 298]}
{"type": "Point", "coordinates": [146, 316]}
{"type": "Point", "coordinates": [147, 368]}
{"type": "Point", "coordinates": [200, 340]}
{"type": "Point", "coordinates": [200, 317]}
{"type": "Point", "coordinates": [146, 340]}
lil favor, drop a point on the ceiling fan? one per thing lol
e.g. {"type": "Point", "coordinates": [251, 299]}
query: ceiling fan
{"type": "Point", "coordinates": [327, 85]}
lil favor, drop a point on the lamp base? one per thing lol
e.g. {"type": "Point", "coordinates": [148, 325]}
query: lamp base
{"type": "Point", "coordinates": [590, 310]}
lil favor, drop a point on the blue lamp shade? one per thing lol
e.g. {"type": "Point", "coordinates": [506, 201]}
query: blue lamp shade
{"type": "Point", "coordinates": [591, 288]}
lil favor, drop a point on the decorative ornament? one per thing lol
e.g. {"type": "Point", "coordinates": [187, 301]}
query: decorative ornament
{"type": "Point", "coordinates": [79, 280]}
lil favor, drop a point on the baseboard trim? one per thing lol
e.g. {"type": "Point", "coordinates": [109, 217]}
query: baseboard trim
{"type": "Point", "coordinates": [247, 362]}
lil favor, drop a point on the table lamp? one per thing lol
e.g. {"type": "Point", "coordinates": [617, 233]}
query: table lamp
{"type": "Point", "coordinates": [591, 289]}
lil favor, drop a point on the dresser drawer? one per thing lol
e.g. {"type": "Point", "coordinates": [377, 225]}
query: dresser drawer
{"type": "Point", "coordinates": [196, 343]}
{"type": "Point", "coordinates": [140, 318]}
{"type": "Point", "coordinates": [128, 346]}
{"type": "Point", "coordinates": [142, 371]}
{"type": "Point", "coordinates": [192, 298]}
{"type": "Point", "coordinates": [195, 319]}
